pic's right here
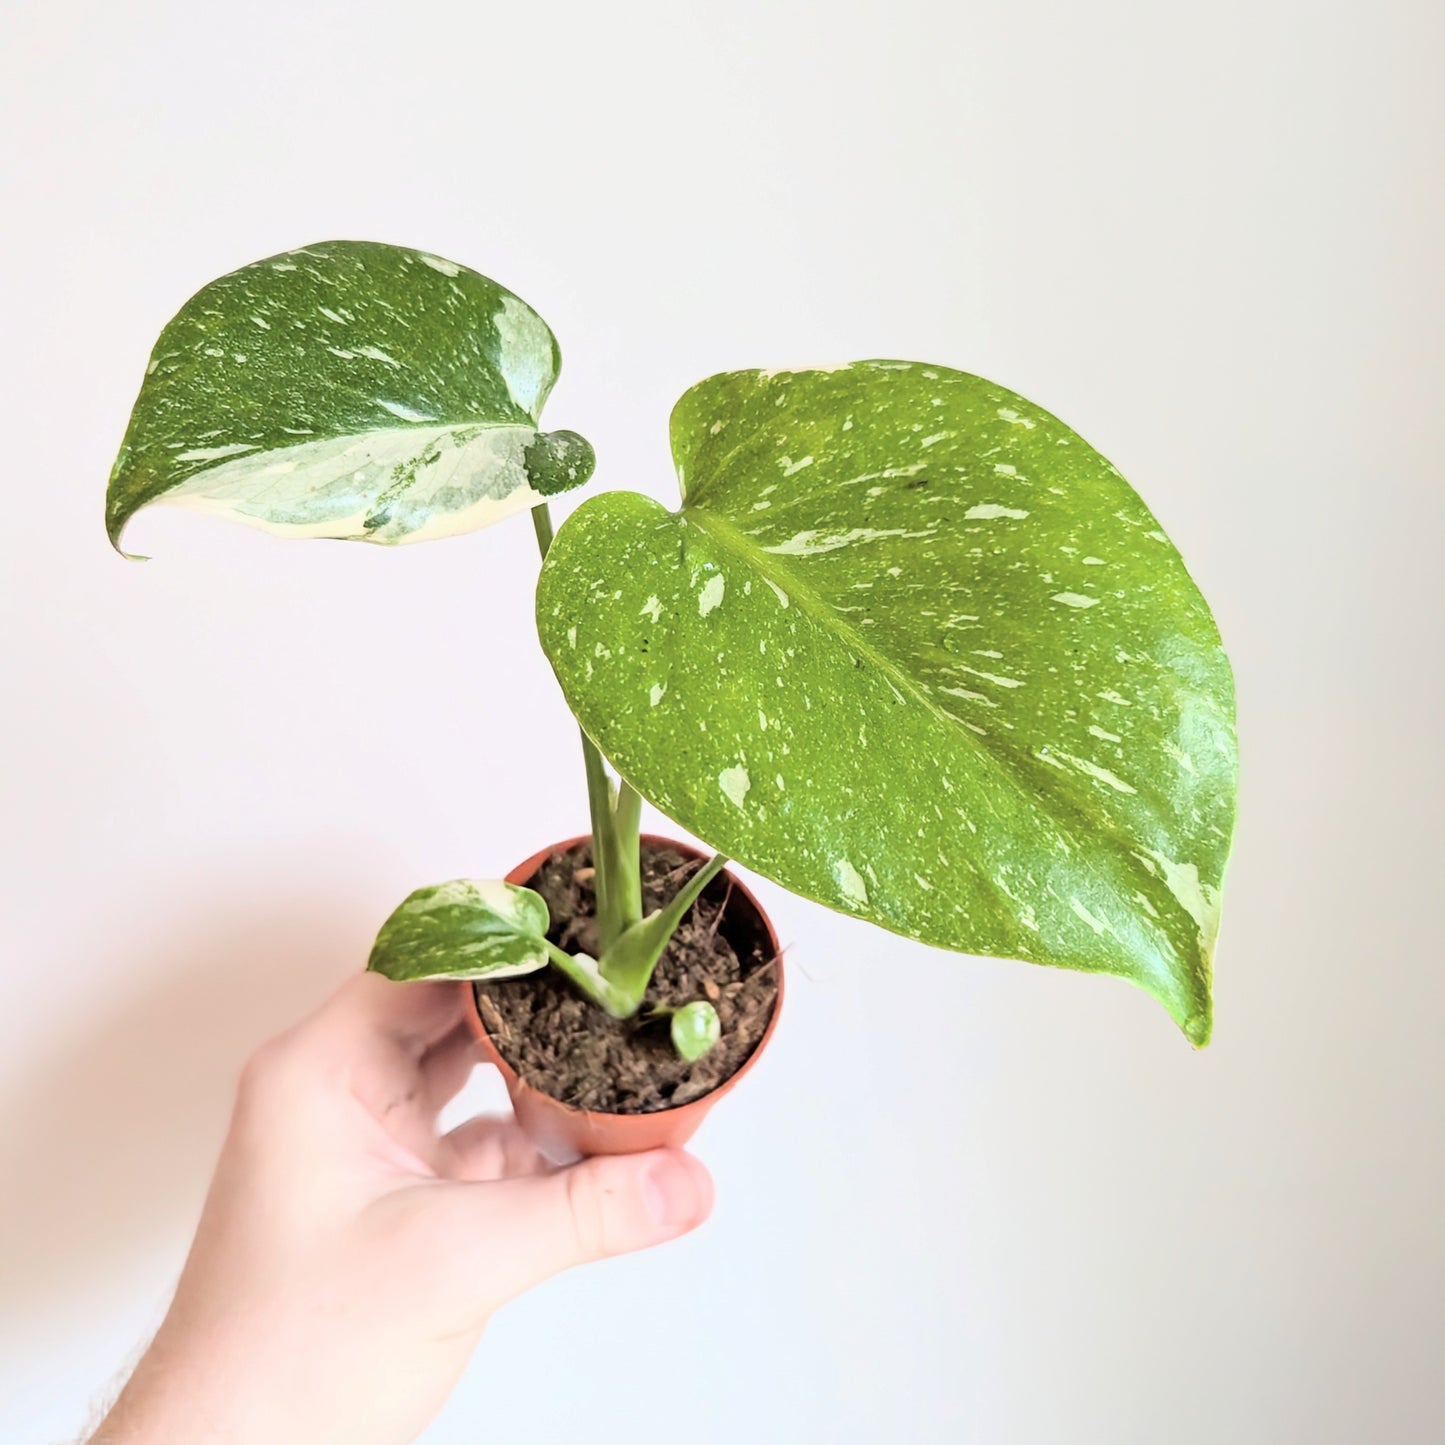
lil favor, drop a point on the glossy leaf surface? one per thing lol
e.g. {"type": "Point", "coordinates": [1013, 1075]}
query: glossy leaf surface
{"type": "Point", "coordinates": [467, 928]}
{"type": "Point", "coordinates": [352, 390]}
{"type": "Point", "coordinates": [914, 649]}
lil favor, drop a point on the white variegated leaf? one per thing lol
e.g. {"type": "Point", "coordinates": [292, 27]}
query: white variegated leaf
{"type": "Point", "coordinates": [349, 390]}
{"type": "Point", "coordinates": [468, 928]}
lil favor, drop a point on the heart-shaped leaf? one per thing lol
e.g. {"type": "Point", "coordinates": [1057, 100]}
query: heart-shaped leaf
{"type": "Point", "coordinates": [352, 390]}
{"type": "Point", "coordinates": [467, 928]}
{"type": "Point", "coordinates": [913, 649]}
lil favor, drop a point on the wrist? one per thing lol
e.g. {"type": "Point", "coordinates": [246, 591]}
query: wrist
{"type": "Point", "coordinates": [193, 1386]}
{"type": "Point", "coordinates": [164, 1400]}
{"type": "Point", "coordinates": [246, 1384]}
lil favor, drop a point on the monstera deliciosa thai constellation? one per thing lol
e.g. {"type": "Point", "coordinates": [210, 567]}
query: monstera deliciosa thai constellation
{"type": "Point", "coordinates": [909, 646]}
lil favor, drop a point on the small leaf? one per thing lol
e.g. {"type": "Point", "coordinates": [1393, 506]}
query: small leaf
{"type": "Point", "coordinates": [463, 929]}
{"type": "Point", "coordinates": [914, 649]}
{"type": "Point", "coordinates": [695, 1029]}
{"type": "Point", "coordinates": [352, 390]}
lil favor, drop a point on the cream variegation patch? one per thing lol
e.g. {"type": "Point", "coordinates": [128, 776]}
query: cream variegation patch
{"type": "Point", "coordinates": [465, 928]}
{"type": "Point", "coordinates": [390, 485]}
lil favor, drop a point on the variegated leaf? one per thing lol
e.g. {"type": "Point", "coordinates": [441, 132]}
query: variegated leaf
{"type": "Point", "coordinates": [913, 649]}
{"type": "Point", "coordinates": [467, 928]}
{"type": "Point", "coordinates": [348, 389]}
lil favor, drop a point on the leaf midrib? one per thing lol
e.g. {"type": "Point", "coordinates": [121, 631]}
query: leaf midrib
{"type": "Point", "coordinates": [811, 603]}
{"type": "Point", "coordinates": [732, 537]}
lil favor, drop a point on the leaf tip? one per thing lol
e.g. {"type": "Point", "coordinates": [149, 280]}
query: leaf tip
{"type": "Point", "coordinates": [114, 530]}
{"type": "Point", "coordinates": [1198, 1027]}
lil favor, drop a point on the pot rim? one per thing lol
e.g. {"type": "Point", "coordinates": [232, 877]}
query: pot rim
{"type": "Point", "coordinates": [527, 870]}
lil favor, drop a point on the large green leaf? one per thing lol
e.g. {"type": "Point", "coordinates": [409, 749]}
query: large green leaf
{"type": "Point", "coordinates": [468, 928]}
{"type": "Point", "coordinates": [348, 389]}
{"type": "Point", "coordinates": [913, 649]}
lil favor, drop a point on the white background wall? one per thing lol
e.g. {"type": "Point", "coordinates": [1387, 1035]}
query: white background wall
{"type": "Point", "coordinates": [1019, 1210]}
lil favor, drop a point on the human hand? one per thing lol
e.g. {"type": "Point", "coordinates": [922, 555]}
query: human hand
{"type": "Point", "coordinates": [348, 1257]}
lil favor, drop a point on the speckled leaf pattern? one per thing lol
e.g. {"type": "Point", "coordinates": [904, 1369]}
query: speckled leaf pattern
{"type": "Point", "coordinates": [913, 649]}
{"type": "Point", "coordinates": [348, 389]}
{"type": "Point", "coordinates": [468, 928]}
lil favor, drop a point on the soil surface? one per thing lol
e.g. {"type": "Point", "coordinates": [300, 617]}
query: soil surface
{"type": "Point", "coordinates": [565, 1046]}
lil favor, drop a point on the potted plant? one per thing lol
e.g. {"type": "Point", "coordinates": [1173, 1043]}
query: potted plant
{"type": "Point", "coordinates": [910, 647]}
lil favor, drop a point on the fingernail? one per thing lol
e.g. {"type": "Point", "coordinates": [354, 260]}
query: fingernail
{"type": "Point", "coordinates": [670, 1189]}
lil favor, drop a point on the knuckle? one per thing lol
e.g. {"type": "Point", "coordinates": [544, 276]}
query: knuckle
{"type": "Point", "coordinates": [271, 1062]}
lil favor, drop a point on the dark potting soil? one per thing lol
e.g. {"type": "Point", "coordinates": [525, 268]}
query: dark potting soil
{"type": "Point", "coordinates": [565, 1046]}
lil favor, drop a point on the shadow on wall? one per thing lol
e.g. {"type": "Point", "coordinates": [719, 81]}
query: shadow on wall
{"type": "Point", "coordinates": [111, 1139]}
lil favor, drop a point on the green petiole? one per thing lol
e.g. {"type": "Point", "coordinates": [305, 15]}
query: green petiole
{"type": "Point", "coordinates": [630, 944]}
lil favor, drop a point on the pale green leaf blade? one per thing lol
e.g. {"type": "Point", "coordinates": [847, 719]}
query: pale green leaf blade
{"type": "Point", "coordinates": [913, 649]}
{"type": "Point", "coordinates": [695, 1029]}
{"type": "Point", "coordinates": [468, 928]}
{"type": "Point", "coordinates": [348, 389]}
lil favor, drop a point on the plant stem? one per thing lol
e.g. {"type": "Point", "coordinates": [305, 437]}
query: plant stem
{"type": "Point", "coordinates": [583, 972]}
{"type": "Point", "coordinates": [687, 895]}
{"type": "Point", "coordinates": [605, 858]}
{"type": "Point", "coordinates": [542, 526]}
{"type": "Point", "coordinates": [617, 883]}
{"type": "Point", "coordinates": [630, 944]}
{"type": "Point", "coordinates": [628, 965]}
{"type": "Point", "coordinates": [626, 817]}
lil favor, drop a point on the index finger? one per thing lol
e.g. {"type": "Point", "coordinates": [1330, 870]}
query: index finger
{"type": "Point", "coordinates": [384, 1025]}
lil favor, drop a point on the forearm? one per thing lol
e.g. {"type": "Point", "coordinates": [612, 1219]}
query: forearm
{"type": "Point", "coordinates": [283, 1376]}
{"type": "Point", "coordinates": [168, 1399]}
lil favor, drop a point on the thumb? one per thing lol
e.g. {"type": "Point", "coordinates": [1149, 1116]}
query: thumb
{"type": "Point", "coordinates": [538, 1225]}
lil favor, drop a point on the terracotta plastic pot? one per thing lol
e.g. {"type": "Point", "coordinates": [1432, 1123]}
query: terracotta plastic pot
{"type": "Point", "coordinates": [564, 1133]}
